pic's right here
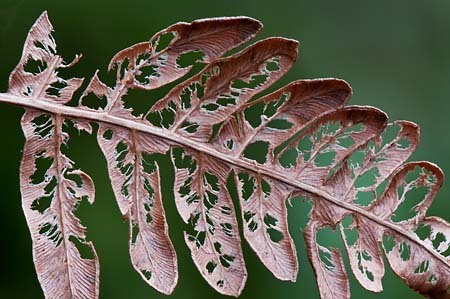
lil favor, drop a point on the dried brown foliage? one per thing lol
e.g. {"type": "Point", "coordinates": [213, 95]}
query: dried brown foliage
{"type": "Point", "coordinates": [303, 142]}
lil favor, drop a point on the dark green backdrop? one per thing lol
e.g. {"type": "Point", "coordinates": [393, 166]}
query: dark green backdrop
{"type": "Point", "coordinates": [394, 54]}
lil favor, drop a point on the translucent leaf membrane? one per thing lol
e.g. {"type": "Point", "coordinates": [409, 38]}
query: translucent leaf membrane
{"type": "Point", "coordinates": [215, 128]}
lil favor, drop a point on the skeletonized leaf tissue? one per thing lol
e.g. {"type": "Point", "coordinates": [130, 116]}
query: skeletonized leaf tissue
{"type": "Point", "coordinates": [216, 129]}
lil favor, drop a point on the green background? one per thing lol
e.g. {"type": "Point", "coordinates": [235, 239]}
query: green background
{"type": "Point", "coordinates": [395, 54]}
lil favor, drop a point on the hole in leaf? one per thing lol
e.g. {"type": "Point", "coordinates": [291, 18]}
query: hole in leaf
{"type": "Point", "coordinates": [438, 239]}
{"type": "Point", "coordinates": [325, 158]}
{"type": "Point", "coordinates": [423, 231]}
{"type": "Point", "coordinates": [92, 101]}
{"type": "Point", "coordinates": [211, 266]}
{"type": "Point", "coordinates": [190, 127]}
{"type": "Point", "coordinates": [364, 198]}
{"type": "Point", "coordinates": [388, 243]}
{"type": "Point", "coordinates": [52, 232]}
{"type": "Point", "coordinates": [42, 204]}
{"type": "Point", "coordinates": [35, 66]}
{"type": "Point", "coordinates": [407, 209]}
{"type": "Point", "coordinates": [84, 249]}
{"type": "Point", "coordinates": [249, 218]}
{"type": "Point", "coordinates": [198, 237]}
{"type": "Point", "coordinates": [134, 233]}
{"type": "Point", "coordinates": [225, 210]}
{"type": "Point", "coordinates": [253, 114]}
{"type": "Point", "coordinates": [210, 200]}
{"type": "Point", "coordinates": [405, 251]}
{"type": "Point", "coordinates": [108, 134]}
{"type": "Point", "coordinates": [164, 118]}
{"type": "Point", "coordinates": [368, 178]}
{"type": "Point", "coordinates": [254, 82]}
{"type": "Point", "coordinates": [42, 164]}
{"type": "Point", "coordinates": [227, 229]}
{"type": "Point", "coordinates": [422, 267]}
{"type": "Point", "coordinates": [288, 158]}
{"type": "Point", "coordinates": [404, 143]}
{"type": "Point", "coordinates": [147, 274]}
{"type": "Point", "coordinates": [43, 125]}
{"type": "Point", "coordinates": [146, 73]}
{"type": "Point", "coordinates": [279, 124]}
{"type": "Point", "coordinates": [266, 189]}
{"type": "Point", "coordinates": [275, 235]}
{"type": "Point", "coordinates": [190, 58]}
{"type": "Point", "coordinates": [226, 260]}
{"type": "Point", "coordinates": [351, 235]}
{"type": "Point", "coordinates": [56, 88]}
{"type": "Point", "coordinates": [370, 275]}
{"type": "Point", "coordinates": [257, 151]}
{"type": "Point", "coordinates": [163, 40]}
{"type": "Point", "coordinates": [149, 163]}
{"type": "Point", "coordinates": [247, 185]}
{"type": "Point", "coordinates": [210, 107]}
{"type": "Point", "coordinates": [218, 247]}
{"type": "Point", "coordinates": [345, 141]}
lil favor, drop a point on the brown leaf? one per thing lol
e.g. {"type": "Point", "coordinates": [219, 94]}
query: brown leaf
{"type": "Point", "coordinates": [51, 191]}
{"type": "Point", "coordinates": [36, 74]}
{"type": "Point", "coordinates": [295, 104]}
{"type": "Point", "coordinates": [265, 223]}
{"type": "Point", "coordinates": [365, 255]}
{"type": "Point", "coordinates": [51, 187]}
{"type": "Point", "coordinates": [135, 180]}
{"type": "Point", "coordinates": [216, 130]}
{"type": "Point", "coordinates": [204, 203]}
{"type": "Point", "coordinates": [224, 86]}
{"type": "Point", "coordinates": [328, 265]}
{"type": "Point", "coordinates": [418, 268]}
{"type": "Point", "coordinates": [211, 37]}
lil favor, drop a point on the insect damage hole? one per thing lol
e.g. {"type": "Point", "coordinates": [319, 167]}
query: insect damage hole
{"type": "Point", "coordinates": [52, 232]}
{"type": "Point", "coordinates": [257, 151]}
{"type": "Point", "coordinates": [412, 193]}
{"type": "Point", "coordinates": [43, 203]}
{"type": "Point", "coordinates": [42, 164]}
{"type": "Point", "coordinates": [93, 101]}
{"type": "Point", "coordinates": [271, 223]}
{"type": "Point", "coordinates": [162, 41]}
{"type": "Point", "coordinates": [211, 266]}
{"type": "Point", "coordinates": [351, 233]}
{"type": "Point", "coordinates": [34, 66]}
{"type": "Point", "coordinates": [83, 249]}
{"type": "Point", "coordinates": [190, 58]}
{"type": "Point", "coordinates": [147, 274]}
{"type": "Point", "coordinates": [55, 88]}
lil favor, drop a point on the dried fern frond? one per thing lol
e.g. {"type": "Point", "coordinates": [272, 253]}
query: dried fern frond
{"type": "Point", "coordinates": [299, 141]}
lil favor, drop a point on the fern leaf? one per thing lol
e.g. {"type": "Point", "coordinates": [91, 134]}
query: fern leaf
{"type": "Point", "coordinates": [66, 263]}
{"type": "Point", "coordinates": [216, 129]}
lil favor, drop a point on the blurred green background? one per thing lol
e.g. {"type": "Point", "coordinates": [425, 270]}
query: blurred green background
{"type": "Point", "coordinates": [395, 54]}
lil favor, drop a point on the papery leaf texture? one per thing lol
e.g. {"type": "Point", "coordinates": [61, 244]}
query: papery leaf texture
{"type": "Point", "coordinates": [220, 129]}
